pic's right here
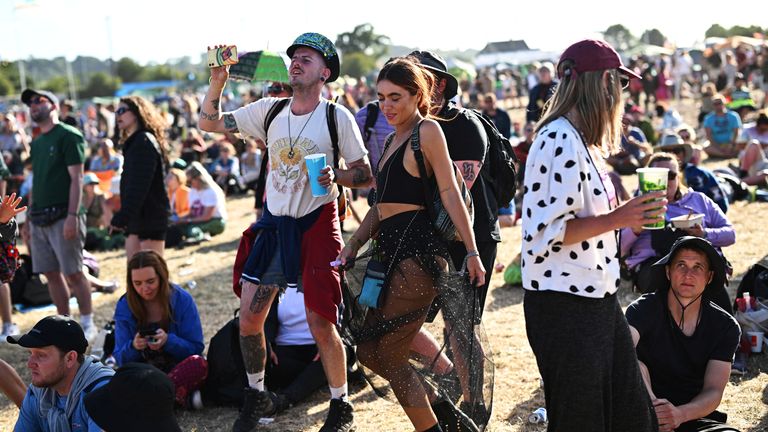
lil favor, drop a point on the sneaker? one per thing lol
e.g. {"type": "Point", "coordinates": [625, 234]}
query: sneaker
{"type": "Point", "coordinates": [90, 333]}
{"type": "Point", "coordinates": [340, 417]}
{"type": "Point", "coordinates": [196, 400]}
{"type": "Point", "coordinates": [256, 404]}
{"type": "Point", "coordinates": [9, 330]}
{"type": "Point", "coordinates": [451, 419]}
{"type": "Point", "coordinates": [739, 366]}
{"type": "Point", "coordinates": [111, 287]}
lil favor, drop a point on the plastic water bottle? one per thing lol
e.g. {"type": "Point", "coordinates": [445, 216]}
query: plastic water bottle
{"type": "Point", "coordinates": [97, 349]}
{"type": "Point", "coordinates": [747, 302]}
{"type": "Point", "coordinates": [538, 416]}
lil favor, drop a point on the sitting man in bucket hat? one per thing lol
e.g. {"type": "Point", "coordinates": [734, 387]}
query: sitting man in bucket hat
{"type": "Point", "coordinates": [685, 343]}
{"type": "Point", "coordinates": [61, 376]}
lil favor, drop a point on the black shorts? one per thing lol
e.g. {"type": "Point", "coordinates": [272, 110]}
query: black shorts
{"type": "Point", "coordinates": [158, 235]}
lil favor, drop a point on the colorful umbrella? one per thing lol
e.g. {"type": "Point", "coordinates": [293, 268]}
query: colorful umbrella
{"type": "Point", "coordinates": [259, 66]}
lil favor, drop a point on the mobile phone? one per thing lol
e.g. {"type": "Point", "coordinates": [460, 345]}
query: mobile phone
{"type": "Point", "coordinates": [149, 330]}
{"type": "Point", "coordinates": [222, 56]}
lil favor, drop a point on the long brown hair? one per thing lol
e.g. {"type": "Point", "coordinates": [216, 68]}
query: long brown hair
{"type": "Point", "coordinates": [405, 72]}
{"type": "Point", "coordinates": [149, 119]}
{"type": "Point", "coordinates": [598, 105]}
{"type": "Point", "coordinates": [142, 259]}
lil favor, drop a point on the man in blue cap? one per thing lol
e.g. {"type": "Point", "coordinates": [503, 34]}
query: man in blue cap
{"type": "Point", "coordinates": [299, 234]}
{"type": "Point", "coordinates": [685, 343]}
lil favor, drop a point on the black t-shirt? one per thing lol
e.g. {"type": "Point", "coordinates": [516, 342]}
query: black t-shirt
{"type": "Point", "coordinates": [467, 140]}
{"type": "Point", "coordinates": [677, 362]}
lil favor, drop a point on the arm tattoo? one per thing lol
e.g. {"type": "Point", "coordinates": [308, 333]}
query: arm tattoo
{"type": "Point", "coordinates": [261, 298]}
{"type": "Point", "coordinates": [205, 116]}
{"type": "Point", "coordinates": [468, 171]}
{"type": "Point", "coordinates": [215, 104]}
{"type": "Point", "coordinates": [230, 124]}
{"type": "Point", "coordinates": [359, 176]}
{"type": "Point", "coordinates": [254, 353]}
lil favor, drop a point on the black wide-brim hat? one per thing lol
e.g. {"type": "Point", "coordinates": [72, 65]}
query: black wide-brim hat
{"type": "Point", "coordinates": [716, 263]}
{"type": "Point", "coordinates": [435, 64]}
{"type": "Point", "coordinates": [138, 397]}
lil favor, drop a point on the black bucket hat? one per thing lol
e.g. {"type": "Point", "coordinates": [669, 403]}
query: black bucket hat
{"type": "Point", "coordinates": [138, 397]}
{"type": "Point", "coordinates": [716, 263]}
{"type": "Point", "coordinates": [324, 46]}
{"type": "Point", "coordinates": [439, 67]}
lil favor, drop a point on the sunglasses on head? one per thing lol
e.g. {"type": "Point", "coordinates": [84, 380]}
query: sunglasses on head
{"type": "Point", "coordinates": [122, 110]}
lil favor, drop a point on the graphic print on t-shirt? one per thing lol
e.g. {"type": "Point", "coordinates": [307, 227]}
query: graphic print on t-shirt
{"type": "Point", "coordinates": [288, 170]}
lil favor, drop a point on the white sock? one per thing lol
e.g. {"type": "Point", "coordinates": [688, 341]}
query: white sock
{"type": "Point", "coordinates": [86, 320]}
{"type": "Point", "coordinates": [256, 380]}
{"type": "Point", "coordinates": [339, 392]}
{"type": "Point", "coordinates": [7, 327]}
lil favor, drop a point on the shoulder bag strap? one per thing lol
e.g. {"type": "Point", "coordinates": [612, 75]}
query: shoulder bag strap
{"type": "Point", "coordinates": [419, 155]}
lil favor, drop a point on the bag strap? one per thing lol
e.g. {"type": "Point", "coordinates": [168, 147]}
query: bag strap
{"type": "Point", "coordinates": [419, 155]}
{"type": "Point", "coordinates": [272, 113]}
{"type": "Point", "coordinates": [330, 115]}
{"type": "Point", "coordinates": [370, 119]}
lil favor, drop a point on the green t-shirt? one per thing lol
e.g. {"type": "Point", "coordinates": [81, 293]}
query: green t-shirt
{"type": "Point", "coordinates": [52, 153]}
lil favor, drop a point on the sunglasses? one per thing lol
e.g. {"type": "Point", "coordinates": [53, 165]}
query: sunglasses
{"type": "Point", "coordinates": [624, 81]}
{"type": "Point", "coordinates": [39, 100]}
{"type": "Point", "coordinates": [275, 89]}
{"type": "Point", "coordinates": [122, 110]}
{"type": "Point", "coordinates": [671, 175]}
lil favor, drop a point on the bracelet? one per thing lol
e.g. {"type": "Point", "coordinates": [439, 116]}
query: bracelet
{"type": "Point", "coordinates": [473, 253]}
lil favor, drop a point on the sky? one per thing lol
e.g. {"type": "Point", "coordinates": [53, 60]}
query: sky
{"type": "Point", "coordinates": [159, 30]}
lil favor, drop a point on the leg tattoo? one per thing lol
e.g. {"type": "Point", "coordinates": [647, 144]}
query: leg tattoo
{"type": "Point", "coordinates": [254, 353]}
{"type": "Point", "coordinates": [261, 298]}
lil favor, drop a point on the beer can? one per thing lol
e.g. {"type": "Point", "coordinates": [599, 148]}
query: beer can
{"type": "Point", "coordinates": [538, 416]}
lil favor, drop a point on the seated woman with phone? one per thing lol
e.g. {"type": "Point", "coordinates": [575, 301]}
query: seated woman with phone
{"type": "Point", "coordinates": [157, 322]}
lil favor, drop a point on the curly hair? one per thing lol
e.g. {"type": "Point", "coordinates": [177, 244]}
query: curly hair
{"type": "Point", "coordinates": [149, 119]}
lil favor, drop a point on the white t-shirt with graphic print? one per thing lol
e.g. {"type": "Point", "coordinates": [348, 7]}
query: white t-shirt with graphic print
{"type": "Point", "coordinates": [287, 185]}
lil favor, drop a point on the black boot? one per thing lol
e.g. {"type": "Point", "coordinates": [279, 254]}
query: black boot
{"type": "Point", "coordinates": [451, 419]}
{"type": "Point", "coordinates": [435, 428]}
{"type": "Point", "coordinates": [340, 417]}
{"type": "Point", "coordinates": [256, 404]}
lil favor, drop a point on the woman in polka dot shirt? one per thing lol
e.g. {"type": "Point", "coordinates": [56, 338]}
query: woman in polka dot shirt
{"type": "Point", "coordinates": [570, 250]}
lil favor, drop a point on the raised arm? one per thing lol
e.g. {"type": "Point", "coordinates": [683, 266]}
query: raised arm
{"type": "Point", "coordinates": [211, 117]}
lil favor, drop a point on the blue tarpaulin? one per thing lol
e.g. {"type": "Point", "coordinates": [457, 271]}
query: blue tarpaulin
{"type": "Point", "coordinates": [129, 88]}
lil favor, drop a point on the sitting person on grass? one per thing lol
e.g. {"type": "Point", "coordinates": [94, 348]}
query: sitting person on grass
{"type": "Point", "coordinates": [61, 376]}
{"type": "Point", "coordinates": [157, 322]}
{"type": "Point", "coordinates": [641, 248]}
{"type": "Point", "coordinates": [685, 343]}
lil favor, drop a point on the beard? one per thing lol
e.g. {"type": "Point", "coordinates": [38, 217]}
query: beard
{"type": "Point", "coordinates": [52, 379]}
{"type": "Point", "coordinates": [40, 115]}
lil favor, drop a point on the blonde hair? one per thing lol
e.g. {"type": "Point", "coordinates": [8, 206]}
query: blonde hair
{"type": "Point", "coordinates": [599, 106]}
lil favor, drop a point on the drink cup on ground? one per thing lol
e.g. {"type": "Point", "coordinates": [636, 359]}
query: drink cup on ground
{"type": "Point", "coordinates": [651, 180]}
{"type": "Point", "coordinates": [755, 341]}
{"type": "Point", "coordinates": [315, 163]}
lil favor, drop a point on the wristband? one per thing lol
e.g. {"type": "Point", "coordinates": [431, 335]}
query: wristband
{"type": "Point", "coordinates": [473, 253]}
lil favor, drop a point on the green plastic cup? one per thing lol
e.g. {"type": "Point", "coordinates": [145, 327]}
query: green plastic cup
{"type": "Point", "coordinates": [651, 180]}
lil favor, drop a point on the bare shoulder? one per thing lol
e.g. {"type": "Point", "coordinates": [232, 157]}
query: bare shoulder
{"type": "Point", "coordinates": [430, 132]}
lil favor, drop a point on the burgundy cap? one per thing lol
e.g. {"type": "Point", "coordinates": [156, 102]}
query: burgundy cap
{"type": "Point", "coordinates": [594, 55]}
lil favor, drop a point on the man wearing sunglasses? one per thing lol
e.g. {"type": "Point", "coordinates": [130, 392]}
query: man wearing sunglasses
{"type": "Point", "coordinates": [57, 230]}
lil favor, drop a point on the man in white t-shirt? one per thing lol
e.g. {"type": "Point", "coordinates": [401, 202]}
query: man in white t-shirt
{"type": "Point", "coordinates": [299, 234]}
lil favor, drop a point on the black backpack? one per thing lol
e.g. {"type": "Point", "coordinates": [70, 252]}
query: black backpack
{"type": "Point", "coordinates": [273, 111]}
{"type": "Point", "coordinates": [500, 167]}
{"type": "Point", "coordinates": [370, 119]}
{"type": "Point", "coordinates": [226, 370]}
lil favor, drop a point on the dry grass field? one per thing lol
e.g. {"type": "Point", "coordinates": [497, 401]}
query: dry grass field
{"type": "Point", "coordinates": [517, 389]}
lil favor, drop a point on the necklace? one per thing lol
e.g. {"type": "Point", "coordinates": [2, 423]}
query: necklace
{"type": "Point", "coordinates": [291, 142]}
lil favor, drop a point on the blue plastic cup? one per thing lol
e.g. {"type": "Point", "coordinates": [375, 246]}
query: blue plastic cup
{"type": "Point", "coordinates": [315, 163]}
